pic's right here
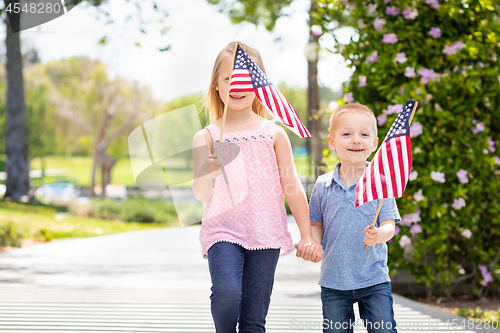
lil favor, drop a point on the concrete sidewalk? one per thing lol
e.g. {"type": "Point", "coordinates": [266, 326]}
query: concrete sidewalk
{"type": "Point", "coordinates": [157, 281]}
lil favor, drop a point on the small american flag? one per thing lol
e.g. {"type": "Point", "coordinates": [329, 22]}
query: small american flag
{"type": "Point", "coordinates": [387, 174]}
{"type": "Point", "coordinates": [248, 77]}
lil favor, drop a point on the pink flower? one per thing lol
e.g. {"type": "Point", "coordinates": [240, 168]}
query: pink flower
{"type": "Point", "coordinates": [415, 229]}
{"type": "Point", "coordinates": [372, 8]}
{"type": "Point", "coordinates": [348, 97]}
{"type": "Point", "coordinates": [397, 230]}
{"type": "Point", "coordinates": [497, 160]}
{"type": "Point", "coordinates": [491, 145]}
{"type": "Point", "coordinates": [362, 81]}
{"type": "Point", "coordinates": [408, 219]}
{"type": "Point", "coordinates": [462, 176]}
{"type": "Point", "coordinates": [410, 72]}
{"type": "Point", "coordinates": [404, 241]}
{"type": "Point", "coordinates": [418, 196]}
{"type": "Point", "coordinates": [493, 58]}
{"type": "Point", "coordinates": [438, 176]}
{"type": "Point", "coordinates": [449, 50]}
{"type": "Point", "coordinates": [341, 48]}
{"type": "Point", "coordinates": [413, 175]}
{"type": "Point", "coordinates": [479, 128]}
{"type": "Point", "coordinates": [433, 3]}
{"type": "Point", "coordinates": [390, 39]}
{"type": "Point", "coordinates": [401, 57]}
{"type": "Point", "coordinates": [486, 275]}
{"type": "Point", "coordinates": [426, 74]}
{"type": "Point", "coordinates": [435, 32]}
{"type": "Point", "coordinates": [317, 30]}
{"type": "Point", "coordinates": [416, 129]}
{"type": "Point", "coordinates": [410, 13]}
{"type": "Point", "coordinates": [378, 23]}
{"type": "Point", "coordinates": [392, 11]}
{"type": "Point", "coordinates": [401, 90]}
{"type": "Point", "coordinates": [458, 203]}
{"type": "Point", "coordinates": [467, 233]}
{"type": "Point", "coordinates": [382, 119]}
{"type": "Point", "coordinates": [372, 57]}
{"type": "Point", "coordinates": [387, 1]}
{"type": "Point", "coordinates": [394, 108]}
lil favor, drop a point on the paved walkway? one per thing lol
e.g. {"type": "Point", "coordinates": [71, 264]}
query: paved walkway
{"type": "Point", "coordinates": [157, 281]}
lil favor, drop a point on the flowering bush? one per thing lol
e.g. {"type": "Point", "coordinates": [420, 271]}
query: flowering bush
{"type": "Point", "coordinates": [442, 53]}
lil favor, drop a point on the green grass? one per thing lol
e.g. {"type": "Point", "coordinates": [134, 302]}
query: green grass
{"type": "Point", "coordinates": [33, 221]}
{"type": "Point", "coordinates": [79, 170]}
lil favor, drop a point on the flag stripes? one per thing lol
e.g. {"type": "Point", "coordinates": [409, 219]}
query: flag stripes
{"type": "Point", "coordinates": [389, 170]}
{"type": "Point", "coordinates": [247, 77]}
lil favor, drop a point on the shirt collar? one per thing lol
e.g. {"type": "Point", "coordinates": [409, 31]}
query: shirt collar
{"type": "Point", "coordinates": [335, 176]}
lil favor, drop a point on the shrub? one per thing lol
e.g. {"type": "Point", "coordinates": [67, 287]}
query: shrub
{"type": "Point", "coordinates": [134, 210]}
{"type": "Point", "coordinates": [444, 54]}
{"type": "Point", "coordinates": [10, 236]}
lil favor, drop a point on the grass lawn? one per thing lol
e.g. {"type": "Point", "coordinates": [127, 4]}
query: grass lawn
{"type": "Point", "coordinates": [79, 169]}
{"type": "Point", "coordinates": [34, 220]}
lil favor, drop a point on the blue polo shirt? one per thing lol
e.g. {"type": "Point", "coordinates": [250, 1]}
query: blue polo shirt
{"type": "Point", "coordinates": [345, 265]}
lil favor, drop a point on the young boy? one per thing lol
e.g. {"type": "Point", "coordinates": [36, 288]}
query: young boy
{"type": "Point", "coordinates": [350, 274]}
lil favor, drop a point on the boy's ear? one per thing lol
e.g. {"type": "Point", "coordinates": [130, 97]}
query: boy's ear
{"type": "Point", "coordinates": [375, 144]}
{"type": "Point", "coordinates": [331, 143]}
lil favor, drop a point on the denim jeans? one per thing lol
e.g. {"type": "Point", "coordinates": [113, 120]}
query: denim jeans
{"type": "Point", "coordinates": [375, 309]}
{"type": "Point", "coordinates": [242, 282]}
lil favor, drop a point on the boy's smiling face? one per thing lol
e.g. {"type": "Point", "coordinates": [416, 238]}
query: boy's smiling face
{"type": "Point", "coordinates": [353, 137]}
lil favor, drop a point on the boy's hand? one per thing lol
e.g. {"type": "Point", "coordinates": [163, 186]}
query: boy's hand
{"type": "Point", "coordinates": [371, 235]}
{"type": "Point", "coordinates": [310, 251]}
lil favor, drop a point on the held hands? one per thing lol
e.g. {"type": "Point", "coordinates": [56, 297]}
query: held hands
{"type": "Point", "coordinates": [310, 250]}
{"type": "Point", "coordinates": [371, 235]}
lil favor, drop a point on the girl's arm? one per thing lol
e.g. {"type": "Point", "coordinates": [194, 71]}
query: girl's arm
{"type": "Point", "coordinates": [206, 166]}
{"type": "Point", "coordinates": [292, 187]}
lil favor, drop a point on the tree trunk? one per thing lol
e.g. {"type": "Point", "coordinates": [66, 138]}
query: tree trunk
{"type": "Point", "coordinates": [107, 165]}
{"type": "Point", "coordinates": [17, 166]}
{"type": "Point", "coordinates": [313, 97]}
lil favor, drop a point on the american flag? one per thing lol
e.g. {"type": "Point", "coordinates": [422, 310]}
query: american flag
{"type": "Point", "coordinates": [387, 174]}
{"type": "Point", "coordinates": [248, 77]}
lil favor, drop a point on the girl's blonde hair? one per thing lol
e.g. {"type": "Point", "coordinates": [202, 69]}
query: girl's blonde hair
{"type": "Point", "coordinates": [213, 102]}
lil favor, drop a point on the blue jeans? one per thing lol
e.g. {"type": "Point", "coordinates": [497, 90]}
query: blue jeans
{"type": "Point", "coordinates": [375, 309]}
{"type": "Point", "coordinates": [242, 282]}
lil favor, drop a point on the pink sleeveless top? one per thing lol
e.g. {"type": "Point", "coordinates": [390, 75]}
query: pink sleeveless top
{"type": "Point", "coordinates": [247, 207]}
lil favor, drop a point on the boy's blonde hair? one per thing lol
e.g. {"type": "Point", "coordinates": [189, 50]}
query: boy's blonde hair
{"type": "Point", "coordinates": [213, 102]}
{"type": "Point", "coordinates": [352, 108]}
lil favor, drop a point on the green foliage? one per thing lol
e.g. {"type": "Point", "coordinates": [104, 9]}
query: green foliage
{"type": "Point", "coordinates": [474, 313]}
{"type": "Point", "coordinates": [134, 210]}
{"type": "Point", "coordinates": [10, 236]}
{"type": "Point", "coordinates": [457, 87]}
{"type": "Point", "coordinates": [265, 12]}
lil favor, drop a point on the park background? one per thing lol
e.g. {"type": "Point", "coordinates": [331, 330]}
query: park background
{"type": "Point", "coordinates": [98, 72]}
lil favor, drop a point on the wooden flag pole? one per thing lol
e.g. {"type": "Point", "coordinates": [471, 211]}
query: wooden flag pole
{"type": "Point", "coordinates": [225, 109]}
{"type": "Point", "coordinates": [382, 200]}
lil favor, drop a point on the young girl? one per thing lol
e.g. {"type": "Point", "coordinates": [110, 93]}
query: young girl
{"type": "Point", "coordinates": [244, 228]}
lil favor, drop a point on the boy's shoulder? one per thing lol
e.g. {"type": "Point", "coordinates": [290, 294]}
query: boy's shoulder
{"type": "Point", "coordinates": [325, 178]}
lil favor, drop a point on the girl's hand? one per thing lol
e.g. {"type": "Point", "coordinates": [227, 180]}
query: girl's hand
{"type": "Point", "coordinates": [211, 167]}
{"type": "Point", "coordinates": [310, 251]}
{"type": "Point", "coordinates": [371, 236]}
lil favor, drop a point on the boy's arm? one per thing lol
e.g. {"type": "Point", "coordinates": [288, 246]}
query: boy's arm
{"type": "Point", "coordinates": [317, 231]}
{"type": "Point", "coordinates": [382, 234]}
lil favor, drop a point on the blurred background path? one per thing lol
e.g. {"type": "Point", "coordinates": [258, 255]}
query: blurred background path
{"type": "Point", "coordinates": [157, 281]}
